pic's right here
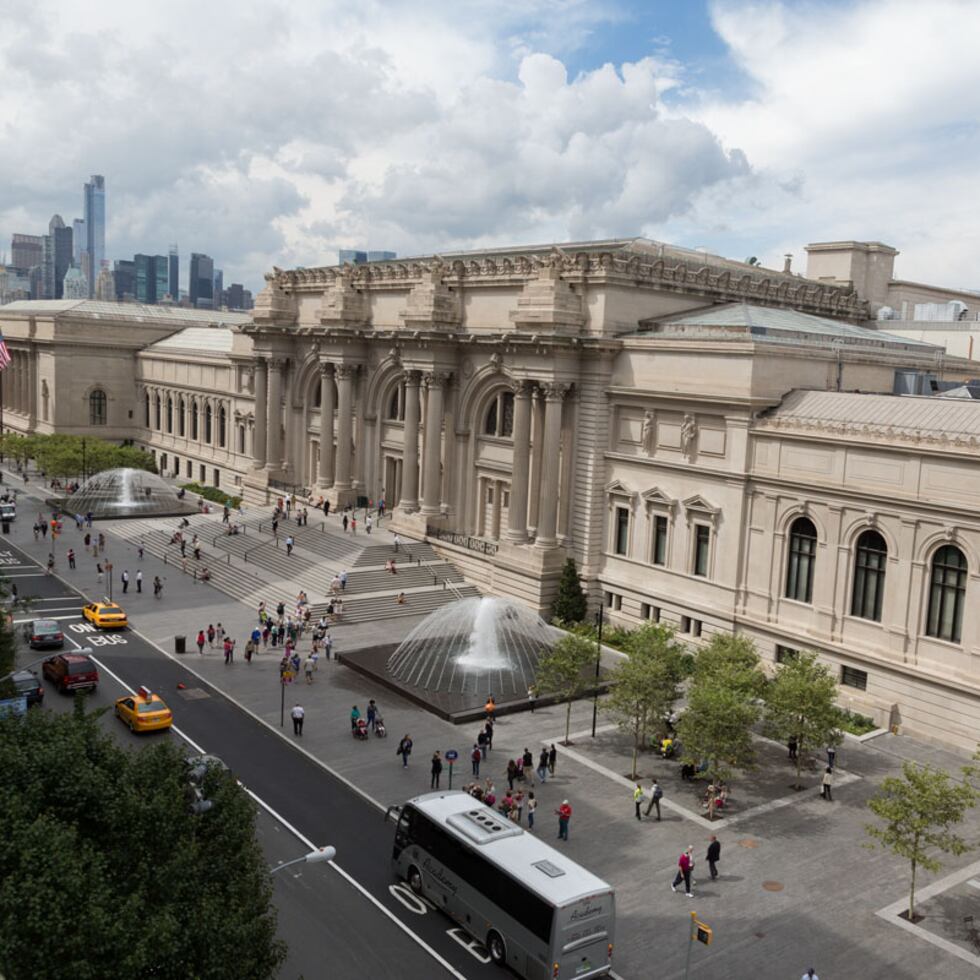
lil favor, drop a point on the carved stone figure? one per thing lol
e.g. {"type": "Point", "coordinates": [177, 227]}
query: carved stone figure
{"type": "Point", "coordinates": [649, 431]}
{"type": "Point", "coordinates": [689, 433]}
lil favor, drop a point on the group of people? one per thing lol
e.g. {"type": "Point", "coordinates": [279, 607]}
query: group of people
{"type": "Point", "coordinates": [685, 866]}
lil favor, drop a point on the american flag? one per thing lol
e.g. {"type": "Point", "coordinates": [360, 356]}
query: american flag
{"type": "Point", "coordinates": [4, 353]}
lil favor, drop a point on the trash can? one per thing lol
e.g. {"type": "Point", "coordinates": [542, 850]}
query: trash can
{"type": "Point", "coordinates": [6, 527]}
{"type": "Point", "coordinates": [180, 644]}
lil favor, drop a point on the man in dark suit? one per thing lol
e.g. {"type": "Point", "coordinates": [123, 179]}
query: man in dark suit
{"type": "Point", "coordinates": [713, 856]}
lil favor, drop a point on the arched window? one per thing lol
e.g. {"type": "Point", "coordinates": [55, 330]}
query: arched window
{"type": "Point", "coordinates": [499, 420]}
{"type": "Point", "coordinates": [157, 406]}
{"type": "Point", "coordinates": [207, 424]}
{"type": "Point", "coordinates": [317, 395]}
{"type": "Point", "coordinates": [870, 558]}
{"type": "Point", "coordinates": [396, 404]}
{"type": "Point", "coordinates": [194, 419]}
{"type": "Point", "coordinates": [802, 557]}
{"type": "Point", "coordinates": [146, 406]}
{"type": "Point", "coordinates": [98, 409]}
{"type": "Point", "coordinates": [180, 416]}
{"type": "Point", "coordinates": [222, 422]}
{"type": "Point", "coordinates": [170, 414]}
{"type": "Point", "coordinates": [947, 592]}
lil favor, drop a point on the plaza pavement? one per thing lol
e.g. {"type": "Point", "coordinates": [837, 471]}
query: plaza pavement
{"type": "Point", "coordinates": [798, 886]}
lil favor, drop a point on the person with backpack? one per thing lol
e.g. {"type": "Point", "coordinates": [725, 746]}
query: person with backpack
{"type": "Point", "coordinates": [436, 770]}
{"type": "Point", "coordinates": [475, 757]}
{"type": "Point", "coordinates": [656, 795]}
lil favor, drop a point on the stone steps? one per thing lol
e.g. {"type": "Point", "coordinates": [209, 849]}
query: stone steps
{"type": "Point", "coordinates": [378, 554]}
{"type": "Point", "coordinates": [310, 537]}
{"type": "Point", "coordinates": [373, 607]}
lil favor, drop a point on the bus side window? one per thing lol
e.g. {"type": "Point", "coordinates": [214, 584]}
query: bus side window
{"type": "Point", "coordinates": [403, 831]}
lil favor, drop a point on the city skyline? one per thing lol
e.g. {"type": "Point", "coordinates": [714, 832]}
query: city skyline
{"type": "Point", "coordinates": [711, 124]}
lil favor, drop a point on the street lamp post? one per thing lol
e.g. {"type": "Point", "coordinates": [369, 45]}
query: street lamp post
{"type": "Point", "coordinates": [598, 657]}
{"type": "Point", "coordinates": [314, 857]}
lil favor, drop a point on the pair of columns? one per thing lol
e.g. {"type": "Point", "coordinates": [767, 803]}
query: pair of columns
{"type": "Point", "coordinates": [553, 394]}
{"type": "Point", "coordinates": [17, 384]}
{"type": "Point", "coordinates": [435, 384]}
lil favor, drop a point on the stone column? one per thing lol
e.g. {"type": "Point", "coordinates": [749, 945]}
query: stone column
{"type": "Point", "coordinates": [554, 396]}
{"type": "Point", "coordinates": [410, 453]}
{"type": "Point", "coordinates": [537, 438]}
{"type": "Point", "coordinates": [325, 476]}
{"type": "Point", "coordinates": [517, 513]}
{"type": "Point", "coordinates": [345, 424]}
{"type": "Point", "coordinates": [32, 387]}
{"type": "Point", "coordinates": [273, 438]}
{"type": "Point", "coordinates": [432, 477]}
{"type": "Point", "coordinates": [18, 382]}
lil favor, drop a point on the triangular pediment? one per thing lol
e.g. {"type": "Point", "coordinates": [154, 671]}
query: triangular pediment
{"type": "Point", "coordinates": [697, 502]}
{"type": "Point", "coordinates": [619, 489]}
{"type": "Point", "coordinates": [656, 496]}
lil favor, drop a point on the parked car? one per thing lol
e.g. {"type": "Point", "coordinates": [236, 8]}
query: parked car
{"type": "Point", "coordinates": [27, 685]}
{"type": "Point", "coordinates": [71, 672]}
{"type": "Point", "coordinates": [44, 633]}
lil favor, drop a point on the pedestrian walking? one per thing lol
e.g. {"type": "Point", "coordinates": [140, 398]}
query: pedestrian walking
{"type": "Point", "coordinates": [475, 756]}
{"type": "Point", "coordinates": [404, 750]}
{"type": "Point", "coordinates": [219, 634]}
{"type": "Point", "coordinates": [367, 523]}
{"type": "Point", "coordinates": [211, 635]}
{"type": "Point", "coordinates": [346, 523]}
{"type": "Point", "coordinates": [139, 551]}
{"type": "Point", "coordinates": [543, 766]}
{"type": "Point", "coordinates": [71, 558]}
{"type": "Point", "coordinates": [297, 714]}
{"type": "Point", "coordinates": [826, 784]}
{"type": "Point", "coordinates": [157, 587]}
{"type": "Point", "coordinates": [656, 795]}
{"type": "Point", "coordinates": [343, 581]}
{"type": "Point", "coordinates": [511, 773]}
{"type": "Point", "coordinates": [532, 697]}
{"type": "Point", "coordinates": [249, 650]}
{"type": "Point", "coordinates": [200, 642]}
{"type": "Point", "coordinates": [308, 669]}
{"type": "Point", "coordinates": [139, 580]}
{"type": "Point", "coordinates": [685, 865]}
{"type": "Point", "coordinates": [532, 805]}
{"type": "Point", "coordinates": [527, 765]}
{"type": "Point", "coordinates": [396, 541]}
{"type": "Point", "coordinates": [831, 757]}
{"type": "Point", "coordinates": [49, 568]}
{"type": "Point", "coordinates": [552, 758]}
{"type": "Point", "coordinates": [481, 740]}
{"type": "Point", "coordinates": [436, 770]}
{"type": "Point", "coordinates": [713, 856]}
{"type": "Point", "coordinates": [289, 545]}
{"type": "Point", "coordinates": [125, 580]}
{"type": "Point", "coordinates": [564, 818]}
{"type": "Point", "coordinates": [98, 569]}
{"type": "Point", "coordinates": [638, 798]}
{"type": "Point", "coordinates": [353, 525]}
{"type": "Point", "coordinates": [229, 649]}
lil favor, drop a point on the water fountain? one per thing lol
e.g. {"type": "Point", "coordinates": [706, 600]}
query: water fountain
{"type": "Point", "coordinates": [477, 646]}
{"type": "Point", "coordinates": [125, 492]}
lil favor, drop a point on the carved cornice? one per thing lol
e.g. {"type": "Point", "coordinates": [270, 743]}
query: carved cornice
{"type": "Point", "coordinates": [436, 379]}
{"type": "Point", "coordinates": [344, 372]}
{"type": "Point", "coordinates": [555, 391]}
{"type": "Point", "coordinates": [622, 266]}
{"type": "Point", "coordinates": [521, 388]}
{"type": "Point", "coordinates": [869, 432]}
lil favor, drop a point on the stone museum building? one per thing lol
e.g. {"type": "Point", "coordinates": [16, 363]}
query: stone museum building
{"type": "Point", "coordinates": [719, 446]}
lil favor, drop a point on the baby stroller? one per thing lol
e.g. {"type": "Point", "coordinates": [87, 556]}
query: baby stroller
{"type": "Point", "coordinates": [379, 727]}
{"type": "Point", "coordinates": [360, 730]}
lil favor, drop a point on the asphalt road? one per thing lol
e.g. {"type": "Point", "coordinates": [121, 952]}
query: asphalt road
{"type": "Point", "coordinates": [346, 918]}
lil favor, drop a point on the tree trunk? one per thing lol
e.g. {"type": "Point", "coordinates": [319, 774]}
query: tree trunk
{"type": "Point", "coordinates": [633, 774]}
{"type": "Point", "coordinates": [799, 763]}
{"type": "Point", "coordinates": [568, 722]}
{"type": "Point", "coordinates": [912, 889]}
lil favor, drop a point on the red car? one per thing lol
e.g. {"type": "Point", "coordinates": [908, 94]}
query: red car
{"type": "Point", "coordinates": [71, 672]}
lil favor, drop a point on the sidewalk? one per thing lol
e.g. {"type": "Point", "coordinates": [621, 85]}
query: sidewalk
{"type": "Point", "coordinates": [797, 886]}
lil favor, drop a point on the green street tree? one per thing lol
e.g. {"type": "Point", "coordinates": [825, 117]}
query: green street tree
{"type": "Point", "coordinates": [570, 605]}
{"type": "Point", "coordinates": [920, 810]}
{"type": "Point", "coordinates": [722, 707]}
{"type": "Point", "coordinates": [645, 685]}
{"type": "Point", "coordinates": [565, 672]}
{"type": "Point", "coordinates": [74, 456]}
{"type": "Point", "coordinates": [105, 870]}
{"type": "Point", "coordinates": [800, 705]}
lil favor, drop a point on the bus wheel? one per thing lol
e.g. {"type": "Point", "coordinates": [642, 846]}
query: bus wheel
{"type": "Point", "coordinates": [415, 880]}
{"type": "Point", "coordinates": [496, 948]}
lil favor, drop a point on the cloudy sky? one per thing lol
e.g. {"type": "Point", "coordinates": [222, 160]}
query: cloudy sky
{"type": "Point", "coordinates": [275, 133]}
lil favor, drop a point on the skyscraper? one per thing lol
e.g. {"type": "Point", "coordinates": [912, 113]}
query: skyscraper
{"type": "Point", "coordinates": [174, 286]}
{"type": "Point", "coordinates": [219, 288]}
{"type": "Point", "coordinates": [201, 281]}
{"type": "Point", "coordinates": [26, 251]}
{"type": "Point", "coordinates": [95, 227]}
{"type": "Point", "coordinates": [75, 285]}
{"type": "Point", "coordinates": [152, 277]}
{"type": "Point", "coordinates": [57, 251]}
{"type": "Point", "coordinates": [78, 241]}
{"type": "Point", "coordinates": [124, 274]}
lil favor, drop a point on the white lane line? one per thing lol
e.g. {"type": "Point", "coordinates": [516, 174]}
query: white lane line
{"type": "Point", "coordinates": [310, 846]}
{"type": "Point", "coordinates": [32, 618]}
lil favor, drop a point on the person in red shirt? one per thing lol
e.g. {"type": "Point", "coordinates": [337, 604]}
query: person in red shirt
{"type": "Point", "coordinates": [564, 816]}
{"type": "Point", "coordinates": [685, 865]}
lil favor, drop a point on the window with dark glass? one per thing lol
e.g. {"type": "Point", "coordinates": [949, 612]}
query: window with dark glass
{"type": "Point", "coordinates": [222, 422]}
{"type": "Point", "coordinates": [490, 423]}
{"type": "Point", "coordinates": [702, 548]}
{"type": "Point", "coordinates": [660, 540]}
{"type": "Point", "coordinates": [802, 559]}
{"type": "Point", "coordinates": [157, 412]}
{"type": "Point", "coordinates": [170, 414]}
{"type": "Point", "coordinates": [241, 438]}
{"type": "Point", "coordinates": [207, 424]}
{"type": "Point", "coordinates": [499, 420]}
{"type": "Point", "coordinates": [621, 545]}
{"type": "Point", "coordinates": [786, 654]}
{"type": "Point", "coordinates": [947, 594]}
{"type": "Point", "coordinates": [870, 559]}
{"type": "Point", "coordinates": [852, 677]}
{"type": "Point", "coordinates": [98, 408]}
{"type": "Point", "coordinates": [180, 417]}
{"type": "Point", "coordinates": [396, 404]}
{"type": "Point", "coordinates": [193, 420]}
{"type": "Point", "coordinates": [146, 405]}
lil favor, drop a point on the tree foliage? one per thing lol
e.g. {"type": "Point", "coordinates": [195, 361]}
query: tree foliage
{"type": "Point", "coordinates": [920, 810]}
{"type": "Point", "coordinates": [722, 707]}
{"type": "Point", "coordinates": [105, 871]}
{"type": "Point", "coordinates": [74, 456]}
{"type": "Point", "coordinates": [564, 671]}
{"type": "Point", "coordinates": [800, 705]}
{"type": "Point", "coordinates": [570, 605]}
{"type": "Point", "coordinates": [646, 684]}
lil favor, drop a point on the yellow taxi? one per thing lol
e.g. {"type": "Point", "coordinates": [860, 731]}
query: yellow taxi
{"type": "Point", "coordinates": [105, 615]}
{"type": "Point", "coordinates": [144, 711]}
